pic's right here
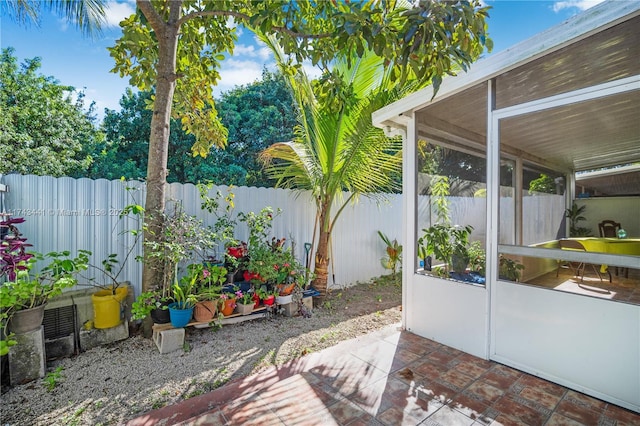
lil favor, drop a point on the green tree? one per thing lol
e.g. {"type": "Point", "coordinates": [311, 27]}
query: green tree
{"type": "Point", "coordinates": [124, 149]}
{"type": "Point", "coordinates": [544, 184]}
{"type": "Point", "coordinates": [257, 115]}
{"type": "Point", "coordinates": [336, 147]}
{"type": "Point", "coordinates": [43, 130]}
{"type": "Point", "coordinates": [177, 46]}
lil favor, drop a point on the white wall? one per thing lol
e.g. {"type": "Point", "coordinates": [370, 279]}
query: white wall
{"type": "Point", "coordinates": [451, 313]}
{"type": "Point", "coordinates": [625, 210]}
{"type": "Point", "coordinates": [585, 343]}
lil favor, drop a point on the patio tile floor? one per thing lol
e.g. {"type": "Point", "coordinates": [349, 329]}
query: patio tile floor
{"type": "Point", "coordinates": [391, 377]}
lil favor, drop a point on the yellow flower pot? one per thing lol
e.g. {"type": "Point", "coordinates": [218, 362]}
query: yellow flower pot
{"type": "Point", "coordinates": [107, 307]}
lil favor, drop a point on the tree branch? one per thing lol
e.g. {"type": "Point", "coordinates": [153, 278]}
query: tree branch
{"type": "Point", "coordinates": [154, 18]}
{"type": "Point", "coordinates": [245, 18]}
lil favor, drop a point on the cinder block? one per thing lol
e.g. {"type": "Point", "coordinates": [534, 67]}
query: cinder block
{"type": "Point", "coordinates": [27, 357]}
{"type": "Point", "coordinates": [96, 337]}
{"type": "Point", "coordinates": [290, 309]}
{"type": "Point", "coordinates": [60, 347]}
{"type": "Point", "coordinates": [169, 340]}
{"type": "Point", "coordinates": [308, 303]}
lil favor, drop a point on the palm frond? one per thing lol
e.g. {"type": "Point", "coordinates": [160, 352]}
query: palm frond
{"type": "Point", "coordinates": [88, 15]}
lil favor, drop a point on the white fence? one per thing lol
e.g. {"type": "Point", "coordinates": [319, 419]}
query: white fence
{"type": "Point", "coordinates": [72, 214]}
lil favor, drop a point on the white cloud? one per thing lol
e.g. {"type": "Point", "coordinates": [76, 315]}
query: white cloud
{"type": "Point", "coordinates": [578, 4]}
{"type": "Point", "coordinates": [312, 72]}
{"type": "Point", "coordinates": [264, 52]}
{"type": "Point", "coordinates": [260, 52]}
{"type": "Point", "coordinates": [237, 72]}
{"type": "Point", "coordinates": [117, 11]}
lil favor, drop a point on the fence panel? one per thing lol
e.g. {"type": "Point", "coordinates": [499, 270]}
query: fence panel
{"type": "Point", "coordinates": [72, 214]}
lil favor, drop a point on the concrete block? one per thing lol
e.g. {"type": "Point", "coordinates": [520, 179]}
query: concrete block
{"type": "Point", "coordinates": [27, 358]}
{"type": "Point", "coordinates": [290, 309]}
{"type": "Point", "coordinates": [308, 303]}
{"type": "Point", "coordinates": [60, 347]}
{"type": "Point", "coordinates": [97, 337]}
{"type": "Point", "coordinates": [169, 340]}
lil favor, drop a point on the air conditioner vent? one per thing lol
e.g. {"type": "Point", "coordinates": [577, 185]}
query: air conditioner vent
{"type": "Point", "coordinates": [59, 322]}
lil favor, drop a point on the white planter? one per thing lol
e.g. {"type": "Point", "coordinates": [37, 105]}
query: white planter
{"type": "Point", "coordinates": [283, 300]}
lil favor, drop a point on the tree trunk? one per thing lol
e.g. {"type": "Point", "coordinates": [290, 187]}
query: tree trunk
{"type": "Point", "coordinates": [167, 33]}
{"type": "Point", "coordinates": [322, 252]}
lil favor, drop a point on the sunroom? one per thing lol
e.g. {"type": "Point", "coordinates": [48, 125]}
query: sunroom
{"type": "Point", "coordinates": [511, 135]}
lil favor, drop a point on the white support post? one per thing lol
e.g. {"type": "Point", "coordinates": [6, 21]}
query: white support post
{"type": "Point", "coordinates": [409, 141]}
{"type": "Point", "coordinates": [493, 204]}
{"type": "Point", "coordinates": [518, 219]}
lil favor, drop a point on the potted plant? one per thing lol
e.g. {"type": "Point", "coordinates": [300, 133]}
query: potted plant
{"type": "Point", "coordinates": [109, 299]}
{"type": "Point", "coordinates": [460, 248]}
{"type": "Point", "coordinates": [447, 243]}
{"type": "Point", "coordinates": [208, 287]}
{"type": "Point", "coordinates": [227, 303]}
{"type": "Point", "coordinates": [266, 296]}
{"type": "Point", "coordinates": [244, 300]}
{"type": "Point", "coordinates": [477, 258]}
{"type": "Point", "coordinates": [235, 257]}
{"type": "Point", "coordinates": [184, 237]}
{"type": "Point", "coordinates": [260, 267]}
{"type": "Point", "coordinates": [151, 303]}
{"type": "Point", "coordinates": [23, 293]}
{"type": "Point", "coordinates": [574, 214]}
{"type": "Point", "coordinates": [510, 269]}
{"type": "Point", "coordinates": [181, 310]}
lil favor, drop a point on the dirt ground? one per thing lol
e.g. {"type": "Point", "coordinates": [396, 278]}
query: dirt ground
{"type": "Point", "coordinates": [365, 298]}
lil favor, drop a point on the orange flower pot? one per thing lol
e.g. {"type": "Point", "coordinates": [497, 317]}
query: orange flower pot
{"type": "Point", "coordinates": [228, 307]}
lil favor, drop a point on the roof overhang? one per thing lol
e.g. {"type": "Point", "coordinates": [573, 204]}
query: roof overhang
{"type": "Point", "coordinates": [595, 49]}
{"type": "Point", "coordinates": [620, 181]}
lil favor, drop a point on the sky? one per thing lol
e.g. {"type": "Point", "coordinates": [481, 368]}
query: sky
{"type": "Point", "coordinates": [85, 64]}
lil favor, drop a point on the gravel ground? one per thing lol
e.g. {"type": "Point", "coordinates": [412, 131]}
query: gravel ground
{"type": "Point", "coordinates": [114, 383]}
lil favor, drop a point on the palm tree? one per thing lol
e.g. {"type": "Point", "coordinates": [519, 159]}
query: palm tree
{"type": "Point", "coordinates": [336, 148]}
{"type": "Point", "coordinates": [88, 15]}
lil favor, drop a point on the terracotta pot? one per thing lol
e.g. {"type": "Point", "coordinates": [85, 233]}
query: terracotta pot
{"type": "Point", "coordinates": [205, 311]}
{"type": "Point", "coordinates": [228, 307]}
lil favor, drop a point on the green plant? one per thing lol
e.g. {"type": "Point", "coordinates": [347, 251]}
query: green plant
{"type": "Point", "coordinates": [260, 267]}
{"type": "Point", "coordinates": [477, 258]}
{"type": "Point", "coordinates": [146, 302]}
{"type": "Point", "coordinates": [574, 214]}
{"type": "Point", "coordinates": [445, 241]}
{"type": "Point", "coordinates": [510, 269]}
{"type": "Point", "coordinates": [183, 291]}
{"type": "Point", "coordinates": [209, 285]}
{"type": "Point", "coordinates": [52, 378]}
{"type": "Point", "coordinates": [393, 258]}
{"type": "Point", "coordinates": [21, 288]}
{"type": "Point", "coordinates": [111, 267]}
{"type": "Point", "coordinates": [259, 225]}
{"type": "Point", "coordinates": [183, 237]}
{"type": "Point", "coordinates": [243, 297]}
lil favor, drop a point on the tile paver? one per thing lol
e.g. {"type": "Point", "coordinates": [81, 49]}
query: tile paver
{"type": "Point", "coordinates": [391, 377]}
